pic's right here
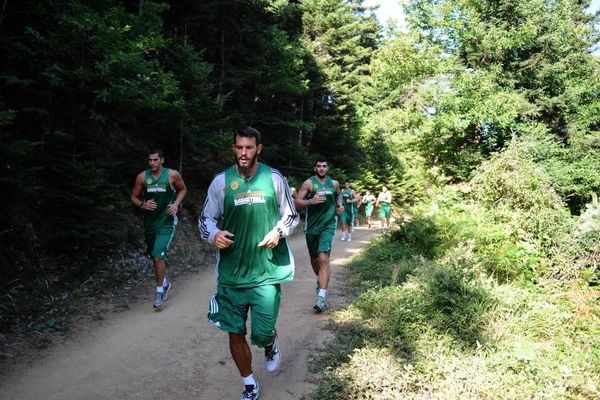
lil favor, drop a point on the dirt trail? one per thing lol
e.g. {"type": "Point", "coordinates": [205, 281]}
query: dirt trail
{"type": "Point", "coordinates": [175, 354]}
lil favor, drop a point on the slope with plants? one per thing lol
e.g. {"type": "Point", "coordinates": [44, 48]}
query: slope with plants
{"type": "Point", "coordinates": [488, 286]}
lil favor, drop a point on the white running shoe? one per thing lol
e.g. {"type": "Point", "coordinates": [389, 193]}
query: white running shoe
{"type": "Point", "coordinates": [166, 290]}
{"type": "Point", "coordinates": [272, 356]}
{"type": "Point", "coordinates": [251, 392]}
{"type": "Point", "coordinates": [319, 304]}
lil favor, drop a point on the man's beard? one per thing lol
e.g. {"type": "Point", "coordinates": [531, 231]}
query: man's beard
{"type": "Point", "coordinates": [321, 176]}
{"type": "Point", "coordinates": [245, 170]}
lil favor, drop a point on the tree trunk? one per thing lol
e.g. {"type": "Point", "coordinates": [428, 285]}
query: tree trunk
{"type": "Point", "coordinates": [2, 11]}
{"type": "Point", "coordinates": [222, 54]}
{"type": "Point", "coordinates": [181, 150]}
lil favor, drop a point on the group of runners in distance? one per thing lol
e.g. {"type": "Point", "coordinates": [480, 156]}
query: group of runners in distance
{"type": "Point", "coordinates": [248, 213]}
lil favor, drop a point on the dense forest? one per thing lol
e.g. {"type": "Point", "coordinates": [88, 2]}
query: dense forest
{"type": "Point", "coordinates": [88, 87]}
{"type": "Point", "coordinates": [483, 118]}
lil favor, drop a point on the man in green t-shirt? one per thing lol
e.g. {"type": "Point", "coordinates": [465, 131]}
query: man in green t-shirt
{"type": "Point", "coordinates": [159, 191]}
{"type": "Point", "coordinates": [321, 196]}
{"type": "Point", "coordinates": [253, 205]}
{"type": "Point", "coordinates": [369, 201]}
{"type": "Point", "coordinates": [384, 202]}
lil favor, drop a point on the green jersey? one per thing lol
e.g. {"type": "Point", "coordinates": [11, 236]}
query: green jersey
{"type": "Point", "coordinates": [160, 190]}
{"type": "Point", "coordinates": [369, 204]}
{"type": "Point", "coordinates": [347, 195]}
{"type": "Point", "coordinates": [319, 217]}
{"type": "Point", "coordinates": [250, 211]}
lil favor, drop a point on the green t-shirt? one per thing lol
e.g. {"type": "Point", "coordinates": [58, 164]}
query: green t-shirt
{"type": "Point", "coordinates": [163, 194]}
{"type": "Point", "coordinates": [250, 211]}
{"type": "Point", "coordinates": [369, 202]}
{"type": "Point", "coordinates": [319, 217]}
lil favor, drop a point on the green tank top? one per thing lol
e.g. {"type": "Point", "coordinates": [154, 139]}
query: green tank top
{"type": "Point", "coordinates": [250, 211]}
{"type": "Point", "coordinates": [319, 217]}
{"type": "Point", "coordinates": [347, 195]}
{"type": "Point", "coordinates": [163, 194]}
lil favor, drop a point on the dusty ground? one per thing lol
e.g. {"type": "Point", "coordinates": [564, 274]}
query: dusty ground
{"type": "Point", "coordinates": [138, 353]}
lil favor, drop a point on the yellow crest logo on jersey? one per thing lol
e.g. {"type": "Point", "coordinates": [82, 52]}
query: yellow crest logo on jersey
{"type": "Point", "coordinates": [234, 185]}
{"type": "Point", "coordinates": [149, 181]}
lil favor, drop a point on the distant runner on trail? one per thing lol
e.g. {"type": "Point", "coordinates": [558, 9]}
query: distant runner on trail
{"type": "Point", "coordinates": [159, 191]}
{"type": "Point", "coordinates": [357, 210]}
{"type": "Point", "coordinates": [384, 201]}
{"type": "Point", "coordinates": [369, 201]}
{"type": "Point", "coordinates": [349, 200]}
{"type": "Point", "coordinates": [255, 207]}
{"type": "Point", "coordinates": [321, 196]}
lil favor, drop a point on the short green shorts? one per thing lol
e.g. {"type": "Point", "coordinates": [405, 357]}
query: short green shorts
{"type": "Point", "coordinates": [320, 243]}
{"type": "Point", "coordinates": [347, 217]}
{"type": "Point", "coordinates": [228, 310]}
{"type": "Point", "coordinates": [385, 211]}
{"type": "Point", "coordinates": [158, 242]}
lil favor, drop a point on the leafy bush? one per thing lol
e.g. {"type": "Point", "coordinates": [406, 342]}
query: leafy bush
{"type": "Point", "coordinates": [446, 294]}
{"type": "Point", "coordinates": [421, 235]}
{"type": "Point", "coordinates": [448, 220]}
{"type": "Point", "coordinates": [388, 264]}
{"type": "Point", "coordinates": [519, 192]}
{"type": "Point", "coordinates": [572, 167]}
{"type": "Point", "coordinates": [580, 256]}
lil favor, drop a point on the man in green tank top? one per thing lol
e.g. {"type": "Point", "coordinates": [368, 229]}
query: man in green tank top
{"type": "Point", "coordinates": [349, 200]}
{"type": "Point", "coordinates": [321, 196]}
{"type": "Point", "coordinates": [254, 207]}
{"type": "Point", "coordinates": [159, 191]}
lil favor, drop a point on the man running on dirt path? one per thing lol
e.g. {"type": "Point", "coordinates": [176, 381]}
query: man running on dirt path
{"type": "Point", "coordinates": [384, 202]}
{"type": "Point", "coordinates": [369, 201]}
{"type": "Point", "coordinates": [254, 204]}
{"type": "Point", "coordinates": [159, 191]}
{"type": "Point", "coordinates": [350, 201]}
{"type": "Point", "coordinates": [321, 196]}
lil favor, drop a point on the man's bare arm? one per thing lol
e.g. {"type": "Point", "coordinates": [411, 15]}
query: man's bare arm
{"type": "Point", "coordinates": [137, 191]}
{"type": "Point", "coordinates": [305, 189]}
{"type": "Point", "coordinates": [179, 185]}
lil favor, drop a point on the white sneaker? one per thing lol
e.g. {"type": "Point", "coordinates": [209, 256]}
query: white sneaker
{"type": "Point", "coordinates": [319, 304]}
{"type": "Point", "coordinates": [272, 356]}
{"type": "Point", "coordinates": [349, 238]}
{"type": "Point", "coordinates": [343, 238]}
{"type": "Point", "coordinates": [251, 392]}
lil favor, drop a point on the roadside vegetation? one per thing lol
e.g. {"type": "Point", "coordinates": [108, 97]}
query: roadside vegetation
{"type": "Point", "coordinates": [485, 290]}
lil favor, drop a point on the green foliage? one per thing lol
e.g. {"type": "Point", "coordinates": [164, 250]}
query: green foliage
{"type": "Point", "coordinates": [396, 69]}
{"type": "Point", "coordinates": [448, 220]}
{"type": "Point", "coordinates": [420, 235]}
{"type": "Point", "coordinates": [505, 65]}
{"type": "Point", "coordinates": [389, 264]}
{"type": "Point", "coordinates": [572, 167]}
{"type": "Point", "coordinates": [472, 115]}
{"type": "Point", "coordinates": [579, 257]}
{"type": "Point", "coordinates": [73, 207]}
{"type": "Point", "coordinates": [341, 41]}
{"type": "Point", "coordinates": [518, 191]}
